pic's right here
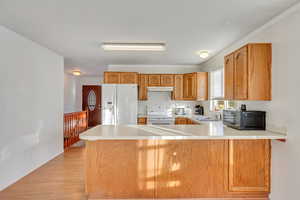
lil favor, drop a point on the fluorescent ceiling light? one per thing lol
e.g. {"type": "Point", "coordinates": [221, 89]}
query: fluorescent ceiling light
{"type": "Point", "coordinates": [76, 73]}
{"type": "Point", "coordinates": [134, 46]}
{"type": "Point", "coordinates": [203, 53]}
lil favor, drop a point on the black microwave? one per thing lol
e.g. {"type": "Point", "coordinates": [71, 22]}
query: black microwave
{"type": "Point", "coordinates": [245, 120]}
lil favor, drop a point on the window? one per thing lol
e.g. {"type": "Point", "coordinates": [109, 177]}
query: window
{"type": "Point", "coordinates": [216, 84]}
{"type": "Point", "coordinates": [217, 92]}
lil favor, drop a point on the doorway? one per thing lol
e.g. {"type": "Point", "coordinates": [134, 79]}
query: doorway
{"type": "Point", "coordinates": [91, 101]}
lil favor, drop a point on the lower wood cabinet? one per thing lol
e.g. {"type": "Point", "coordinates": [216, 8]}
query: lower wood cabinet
{"type": "Point", "coordinates": [190, 169]}
{"type": "Point", "coordinates": [180, 120]}
{"type": "Point", "coordinates": [184, 120]}
{"type": "Point", "coordinates": [249, 172]}
{"type": "Point", "coordinates": [178, 169]}
{"type": "Point", "coordinates": [142, 120]}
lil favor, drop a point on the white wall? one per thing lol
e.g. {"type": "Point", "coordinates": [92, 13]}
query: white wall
{"type": "Point", "coordinates": [31, 105]}
{"type": "Point", "coordinates": [69, 93]}
{"type": "Point", "coordinates": [283, 111]}
{"type": "Point", "coordinates": [73, 90]}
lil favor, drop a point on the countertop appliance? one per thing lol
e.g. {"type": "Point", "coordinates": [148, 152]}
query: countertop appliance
{"type": "Point", "coordinates": [199, 110]}
{"type": "Point", "coordinates": [119, 104]}
{"type": "Point", "coordinates": [160, 115]}
{"type": "Point", "coordinates": [245, 120]}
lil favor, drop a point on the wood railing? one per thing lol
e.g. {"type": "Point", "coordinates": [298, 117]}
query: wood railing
{"type": "Point", "coordinates": [74, 124]}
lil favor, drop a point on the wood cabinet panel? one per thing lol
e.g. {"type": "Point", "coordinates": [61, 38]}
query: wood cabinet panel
{"type": "Point", "coordinates": [128, 78]}
{"type": "Point", "coordinates": [112, 77]}
{"type": "Point", "coordinates": [178, 87]}
{"type": "Point", "coordinates": [189, 86]}
{"type": "Point", "coordinates": [241, 74]}
{"type": "Point", "coordinates": [180, 120]}
{"type": "Point", "coordinates": [229, 77]}
{"type": "Point", "coordinates": [120, 169]}
{"type": "Point", "coordinates": [143, 84]}
{"type": "Point", "coordinates": [142, 120]}
{"type": "Point", "coordinates": [167, 80]}
{"type": "Point", "coordinates": [190, 169]}
{"type": "Point", "coordinates": [259, 71]}
{"type": "Point", "coordinates": [202, 86]}
{"type": "Point", "coordinates": [252, 69]}
{"type": "Point", "coordinates": [178, 169]}
{"type": "Point", "coordinates": [154, 80]}
{"type": "Point", "coordinates": [249, 165]}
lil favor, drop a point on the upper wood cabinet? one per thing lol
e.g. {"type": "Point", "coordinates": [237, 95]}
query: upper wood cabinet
{"type": "Point", "coordinates": [248, 73]}
{"type": "Point", "coordinates": [129, 78]}
{"type": "Point", "coordinates": [112, 77]}
{"type": "Point", "coordinates": [189, 86]}
{"type": "Point", "coordinates": [154, 80]}
{"type": "Point", "coordinates": [229, 77]}
{"type": "Point", "coordinates": [202, 86]}
{"type": "Point", "coordinates": [241, 74]}
{"type": "Point", "coordinates": [195, 86]}
{"type": "Point", "coordinates": [249, 172]}
{"type": "Point", "coordinates": [121, 77]}
{"type": "Point", "coordinates": [167, 80]}
{"type": "Point", "coordinates": [177, 93]}
{"type": "Point", "coordinates": [143, 84]}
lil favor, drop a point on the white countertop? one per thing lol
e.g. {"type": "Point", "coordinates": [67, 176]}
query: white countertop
{"type": "Point", "coordinates": [204, 131]}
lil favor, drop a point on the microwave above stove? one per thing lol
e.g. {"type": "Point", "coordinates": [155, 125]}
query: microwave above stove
{"type": "Point", "coordinates": [245, 120]}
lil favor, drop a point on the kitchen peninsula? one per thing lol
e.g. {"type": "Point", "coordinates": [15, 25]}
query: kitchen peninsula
{"type": "Point", "coordinates": [177, 161]}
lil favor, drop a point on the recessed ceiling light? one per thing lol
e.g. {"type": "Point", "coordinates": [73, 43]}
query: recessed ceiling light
{"type": "Point", "coordinates": [203, 53]}
{"type": "Point", "coordinates": [76, 73]}
{"type": "Point", "coordinates": [134, 46]}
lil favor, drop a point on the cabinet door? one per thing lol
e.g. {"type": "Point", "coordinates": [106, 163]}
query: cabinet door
{"type": "Point", "coordinates": [128, 78]}
{"type": "Point", "coordinates": [154, 79]}
{"type": "Point", "coordinates": [143, 84]}
{"type": "Point", "coordinates": [241, 74]}
{"type": "Point", "coordinates": [178, 87]}
{"type": "Point", "coordinates": [120, 169]}
{"type": "Point", "coordinates": [189, 86]}
{"type": "Point", "coordinates": [202, 86]}
{"type": "Point", "coordinates": [249, 165]}
{"type": "Point", "coordinates": [229, 77]}
{"type": "Point", "coordinates": [181, 120]}
{"type": "Point", "coordinates": [259, 69]}
{"type": "Point", "coordinates": [142, 120]}
{"type": "Point", "coordinates": [167, 80]}
{"type": "Point", "coordinates": [112, 77]}
{"type": "Point", "coordinates": [190, 168]}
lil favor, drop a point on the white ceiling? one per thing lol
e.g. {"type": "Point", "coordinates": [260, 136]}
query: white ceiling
{"type": "Point", "coordinates": [76, 28]}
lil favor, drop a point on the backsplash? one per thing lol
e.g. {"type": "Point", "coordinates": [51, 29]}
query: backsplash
{"type": "Point", "coordinates": [162, 100]}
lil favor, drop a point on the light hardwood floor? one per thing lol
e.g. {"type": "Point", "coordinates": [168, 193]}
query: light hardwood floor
{"type": "Point", "coordinates": [61, 178]}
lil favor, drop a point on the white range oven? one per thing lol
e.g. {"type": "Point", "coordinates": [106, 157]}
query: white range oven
{"type": "Point", "coordinates": [160, 115]}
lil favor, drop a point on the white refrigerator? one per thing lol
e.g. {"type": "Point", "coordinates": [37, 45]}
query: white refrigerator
{"type": "Point", "coordinates": [119, 104]}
